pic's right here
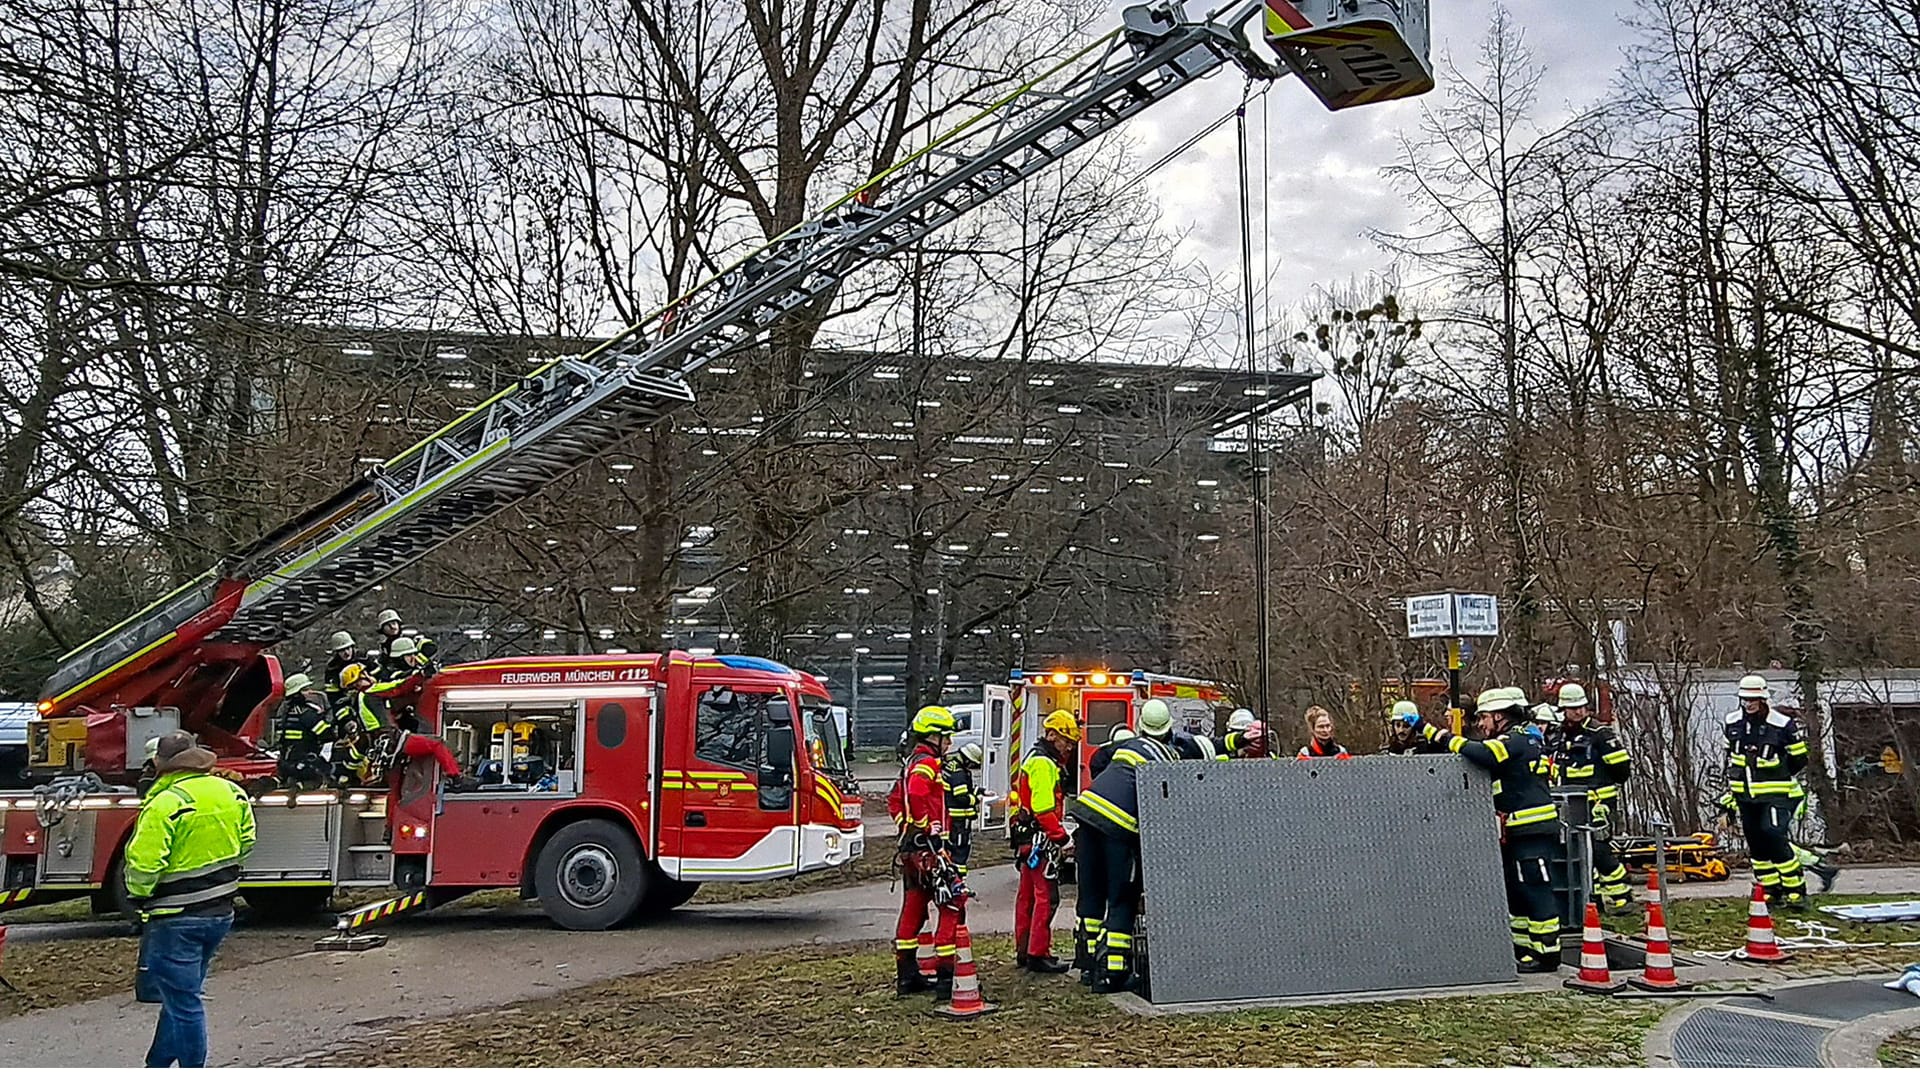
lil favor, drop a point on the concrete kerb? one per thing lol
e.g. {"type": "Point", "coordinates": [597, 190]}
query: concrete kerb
{"type": "Point", "coordinates": [1857, 1045]}
{"type": "Point", "coordinates": [1138, 1006]}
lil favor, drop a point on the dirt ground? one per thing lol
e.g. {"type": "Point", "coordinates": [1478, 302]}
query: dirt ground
{"type": "Point", "coordinates": [743, 966]}
{"type": "Point", "coordinates": [835, 1007]}
{"type": "Point", "coordinates": [46, 974]}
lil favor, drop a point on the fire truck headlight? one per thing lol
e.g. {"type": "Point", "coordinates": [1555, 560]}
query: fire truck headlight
{"type": "Point", "coordinates": [1059, 678]}
{"type": "Point", "coordinates": [1098, 678]}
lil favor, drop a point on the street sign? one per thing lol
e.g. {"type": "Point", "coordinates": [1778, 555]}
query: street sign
{"type": "Point", "coordinates": [1430, 616]}
{"type": "Point", "coordinates": [1476, 615]}
{"type": "Point", "coordinates": [1447, 615]}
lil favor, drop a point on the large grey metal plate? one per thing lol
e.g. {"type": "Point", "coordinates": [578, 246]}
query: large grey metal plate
{"type": "Point", "coordinates": [1712, 1038]}
{"type": "Point", "coordinates": [1278, 878]}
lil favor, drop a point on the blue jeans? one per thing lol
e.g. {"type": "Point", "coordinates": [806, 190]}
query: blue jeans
{"type": "Point", "coordinates": [174, 955]}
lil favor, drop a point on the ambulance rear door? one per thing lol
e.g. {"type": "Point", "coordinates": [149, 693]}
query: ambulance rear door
{"type": "Point", "coordinates": [996, 769]}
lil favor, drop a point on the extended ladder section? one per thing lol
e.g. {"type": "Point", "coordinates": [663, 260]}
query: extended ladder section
{"type": "Point", "coordinates": [572, 409]}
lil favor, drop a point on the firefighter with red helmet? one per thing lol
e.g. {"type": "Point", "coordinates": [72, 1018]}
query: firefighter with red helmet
{"type": "Point", "coordinates": [1039, 841]}
{"type": "Point", "coordinates": [918, 803]}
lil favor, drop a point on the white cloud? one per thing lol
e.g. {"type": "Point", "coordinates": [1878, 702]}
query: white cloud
{"type": "Point", "coordinates": [1324, 184]}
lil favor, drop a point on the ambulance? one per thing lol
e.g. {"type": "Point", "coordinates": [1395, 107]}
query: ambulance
{"type": "Point", "coordinates": [1101, 699]}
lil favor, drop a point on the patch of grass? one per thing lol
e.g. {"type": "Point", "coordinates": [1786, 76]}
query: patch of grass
{"type": "Point", "coordinates": [1721, 923]}
{"type": "Point", "coordinates": [80, 910]}
{"type": "Point", "coordinates": [53, 973]}
{"type": "Point", "coordinates": [1901, 1052]}
{"type": "Point", "coordinates": [813, 1007]}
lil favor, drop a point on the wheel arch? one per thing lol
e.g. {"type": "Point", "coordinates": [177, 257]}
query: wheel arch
{"type": "Point", "coordinates": [565, 816]}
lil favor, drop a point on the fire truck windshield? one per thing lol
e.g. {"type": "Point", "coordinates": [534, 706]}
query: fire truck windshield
{"type": "Point", "coordinates": [823, 737]}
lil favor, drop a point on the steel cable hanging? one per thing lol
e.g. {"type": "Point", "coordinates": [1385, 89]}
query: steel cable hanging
{"type": "Point", "coordinates": [1254, 453]}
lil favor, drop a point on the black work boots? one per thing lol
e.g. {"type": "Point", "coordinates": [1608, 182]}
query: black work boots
{"type": "Point", "coordinates": [907, 980]}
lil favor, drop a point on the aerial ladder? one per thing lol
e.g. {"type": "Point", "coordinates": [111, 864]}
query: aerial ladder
{"type": "Point", "coordinates": [203, 649]}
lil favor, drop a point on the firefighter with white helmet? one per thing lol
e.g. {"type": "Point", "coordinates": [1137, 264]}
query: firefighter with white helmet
{"type": "Point", "coordinates": [392, 634]}
{"type": "Point", "coordinates": [963, 800]}
{"type": "Point", "coordinates": [305, 727]}
{"type": "Point", "coordinates": [341, 651]}
{"type": "Point", "coordinates": [1244, 728]}
{"type": "Point", "coordinates": [1039, 839]}
{"type": "Point", "coordinates": [1766, 751]}
{"type": "Point", "coordinates": [1586, 754]}
{"type": "Point", "coordinates": [1529, 822]}
{"type": "Point", "coordinates": [1108, 844]}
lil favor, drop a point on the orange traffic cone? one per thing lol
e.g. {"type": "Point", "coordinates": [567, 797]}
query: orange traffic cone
{"type": "Point", "coordinates": [1761, 946]}
{"type": "Point", "coordinates": [1594, 978]}
{"type": "Point", "coordinates": [923, 955]}
{"type": "Point", "coordinates": [1658, 975]}
{"type": "Point", "coordinates": [967, 1002]}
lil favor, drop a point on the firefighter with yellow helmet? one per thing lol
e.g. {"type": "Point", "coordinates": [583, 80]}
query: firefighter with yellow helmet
{"type": "Point", "coordinates": [1039, 841]}
{"type": "Point", "coordinates": [918, 802]}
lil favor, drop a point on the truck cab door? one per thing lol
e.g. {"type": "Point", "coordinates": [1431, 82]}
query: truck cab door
{"type": "Point", "coordinates": [737, 812]}
{"type": "Point", "coordinates": [997, 753]}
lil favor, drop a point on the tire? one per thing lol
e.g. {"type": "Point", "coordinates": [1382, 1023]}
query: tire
{"type": "Point", "coordinates": [110, 900]}
{"type": "Point", "coordinates": [665, 894]}
{"type": "Point", "coordinates": [591, 875]}
{"type": "Point", "coordinates": [287, 903]}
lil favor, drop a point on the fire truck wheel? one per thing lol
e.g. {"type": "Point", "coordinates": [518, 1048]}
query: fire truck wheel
{"type": "Point", "coordinates": [110, 900]}
{"type": "Point", "coordinates": [591, 876]}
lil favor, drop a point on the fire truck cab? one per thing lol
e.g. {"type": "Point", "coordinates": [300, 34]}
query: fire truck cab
{"type": "Point", "coordinates": [611, 788]}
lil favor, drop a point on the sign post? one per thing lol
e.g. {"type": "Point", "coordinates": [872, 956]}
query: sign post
{"type": "Point", "coordinates": [1453, 616]}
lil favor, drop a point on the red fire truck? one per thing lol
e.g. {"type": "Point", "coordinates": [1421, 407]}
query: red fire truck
{"type": "Point", "coordinates": [654, 773]}
{"type": "Point", "coordinates": [618, 785]}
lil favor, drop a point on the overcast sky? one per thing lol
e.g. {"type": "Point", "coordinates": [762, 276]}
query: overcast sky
{"type": "Point", "coordinates": [1324, 186]}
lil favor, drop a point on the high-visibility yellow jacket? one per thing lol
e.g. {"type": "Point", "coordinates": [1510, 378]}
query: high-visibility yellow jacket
{"type": "Point", "coordinates": [194, 832]}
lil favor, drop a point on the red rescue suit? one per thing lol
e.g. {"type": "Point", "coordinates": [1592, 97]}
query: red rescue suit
{"type": "Point", "coordinates": [919, 806]}
{"type": "Point", "coordinates": [1035, 810]}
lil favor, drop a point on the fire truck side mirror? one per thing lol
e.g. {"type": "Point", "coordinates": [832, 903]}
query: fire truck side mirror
{"type": "Point", "coordinates": [776, 776]}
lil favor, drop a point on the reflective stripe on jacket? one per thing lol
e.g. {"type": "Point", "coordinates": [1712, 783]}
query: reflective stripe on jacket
{"type": "Point", "coordinates": [1764, 756]}
{"type": "Point", "coordinates": [1110, 803]}
{"type": "Point", "coordinates": [1036, 792]}
{"type": "Point", "coordinates": [1592, 758]}
{"type": "Point", "coordinates": [194, 832]}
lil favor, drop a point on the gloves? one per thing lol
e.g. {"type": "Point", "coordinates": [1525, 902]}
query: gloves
{"type": "Point", "coordinates": [1728, 803]}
